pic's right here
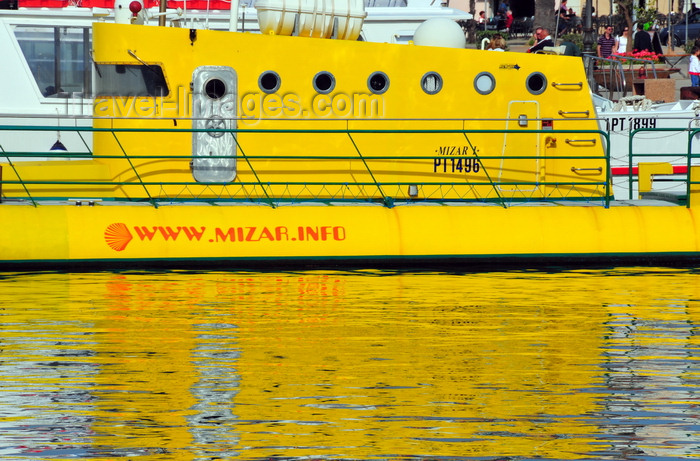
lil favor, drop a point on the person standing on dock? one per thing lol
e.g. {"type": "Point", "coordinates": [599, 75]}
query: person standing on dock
{"type": "Point", "coordinates": [606, 43]}
{"type": "Point", "coordinates": [642, 39]}
{"type": "Point", "coordinates": [621, 42]}
{"type": "Point", "coordinates": [694, 67]}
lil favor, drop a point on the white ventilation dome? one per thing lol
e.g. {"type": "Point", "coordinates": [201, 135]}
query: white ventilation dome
{"type": "Point", "coordinates": [441, 32]}
{"type": "Point", "coordinates": [313, 18]}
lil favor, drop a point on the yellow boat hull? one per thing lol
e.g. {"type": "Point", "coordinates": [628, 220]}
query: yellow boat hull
{"type": "Point", "coordinates": [241, 235]}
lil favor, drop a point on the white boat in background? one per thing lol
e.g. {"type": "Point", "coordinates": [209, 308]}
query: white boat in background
{"type": "Point", "coordinates": [47, 71]}
{"type": "Point", "coordinates": [643, 132]}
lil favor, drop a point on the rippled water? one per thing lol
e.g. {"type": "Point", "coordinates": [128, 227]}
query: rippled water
{"type": "Point", "coordinates": [350, 365]}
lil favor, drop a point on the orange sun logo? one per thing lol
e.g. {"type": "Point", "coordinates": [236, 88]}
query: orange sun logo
{"type": "Point", "coordinates": [117, 236]}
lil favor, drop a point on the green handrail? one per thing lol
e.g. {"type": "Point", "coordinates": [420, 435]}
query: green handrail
{"type": "Point", "coordinates": [134, 170]}
{"type": "Point", "coordinates": [250, 165]}
{"type": "Point", "coordinates": [691, 156]}
{"type": "Point", "coordinates": [451, 185]}
{"type": "Point", "coordinates": [12, 165]}
{"type": "Point", "coordinates": [369, 170]}
{"type": "Point", "coordinates": [480, 160]}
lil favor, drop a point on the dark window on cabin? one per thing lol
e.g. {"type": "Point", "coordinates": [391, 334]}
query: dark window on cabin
{"type": "Point", "coordinates": [130, 80]}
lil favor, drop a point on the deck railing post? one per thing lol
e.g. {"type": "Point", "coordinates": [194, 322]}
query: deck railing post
{"type": "Point", "coordinates": [24, 186]}
{"type": "Point", "coordinates": [138, 176]}
{"type": "Point", "coordinates": [387, 203]}
{"type": "Point", "coordinates": [486, 171]}
{"type": "Point", "coordinates": [608, 170]}
{"type": "Point", "coordinates": [692, 186]}
{"type": "Point", "coordinates": [250, 165]}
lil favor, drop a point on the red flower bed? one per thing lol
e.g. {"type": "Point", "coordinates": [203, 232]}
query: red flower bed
{"type": "Point", "coordinates": [645, 55]}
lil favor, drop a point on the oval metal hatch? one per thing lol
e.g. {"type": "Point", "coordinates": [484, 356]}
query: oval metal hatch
{"type": "Point", "coordinates": [214, 94]}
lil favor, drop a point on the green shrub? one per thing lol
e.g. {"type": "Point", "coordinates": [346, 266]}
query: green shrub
{"type": "Point", "coordinates": [576, 39]}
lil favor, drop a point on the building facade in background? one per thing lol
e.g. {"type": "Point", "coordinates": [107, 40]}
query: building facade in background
{"type": "Point", "coordinates": [526, 8]}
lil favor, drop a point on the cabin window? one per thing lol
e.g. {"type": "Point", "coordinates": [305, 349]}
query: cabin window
{"type": "Point", "coordinates": [536, 83]}
{"type": "Point", "coordinates": [130, 80]}
{"type": "Point", "coordinates": [324, 82]}
{"type": "Point", "coordinates": [378, 82]}
{"type": "Point", "coordinates": [484, 83]}
{"type": "Point", "coordinates": [269, 81]}
{"type": "Point", "coordinates": [431, 83]}
{"type": "Point", "coordinates": [58, 58]}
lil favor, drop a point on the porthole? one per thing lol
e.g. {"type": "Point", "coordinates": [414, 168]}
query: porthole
{"type": "Point", "coordinates": [536, 83]}
{"type": "Point", "coordinates": [215, 88]}
{"type": "Point", "coordinates": [431, 83]}
{"type": "Point", "coordinates": [484, 83]}
{"type": "Point", "coordinates": [324, 82]}
{"type": "Point", "coordinates": [269, 81]}
{"type": "Point", "coordinates": [378, 82]}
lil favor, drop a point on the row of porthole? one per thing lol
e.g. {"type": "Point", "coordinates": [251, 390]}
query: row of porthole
{"type": "Point", "coordinates": [323, 82]}
{"type": "Point", "coordinates": [378, 83]}
{"type": "Point", "coordinates": [485, 83]}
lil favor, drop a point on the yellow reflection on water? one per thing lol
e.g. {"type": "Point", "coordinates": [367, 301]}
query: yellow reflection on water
{"type": "Point", "coordinates": [349, 365]}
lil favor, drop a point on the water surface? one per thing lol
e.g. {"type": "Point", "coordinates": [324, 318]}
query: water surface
{"type": "Point", "coordinates": [350, 365]}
